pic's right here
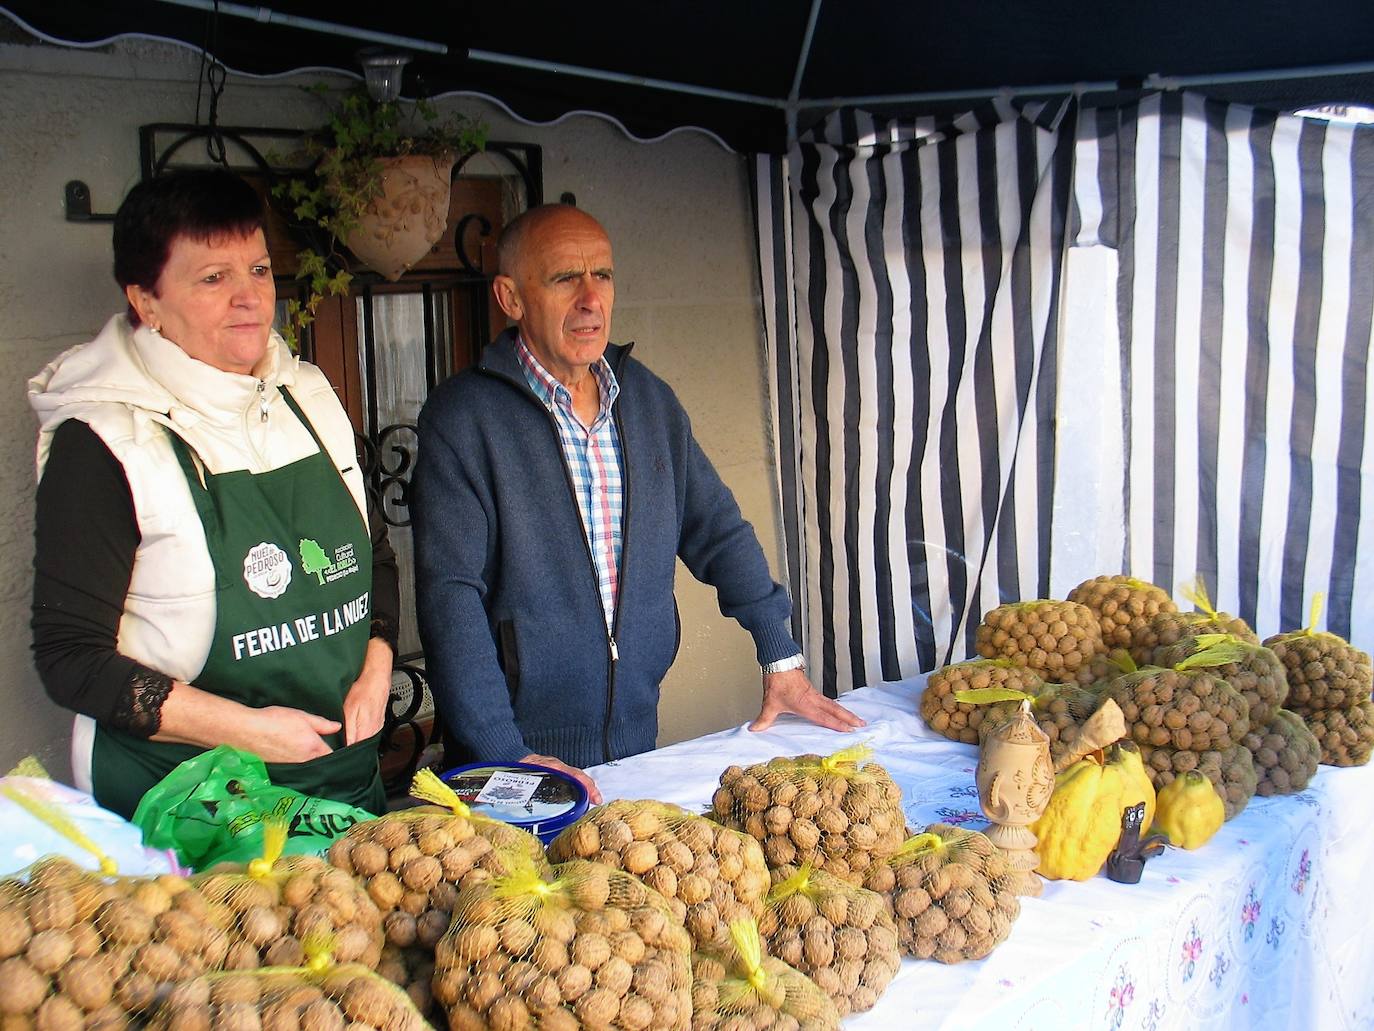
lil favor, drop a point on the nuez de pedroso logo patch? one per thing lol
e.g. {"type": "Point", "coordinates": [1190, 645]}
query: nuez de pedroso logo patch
{"type": "Point", "coordinates": [267, 570]}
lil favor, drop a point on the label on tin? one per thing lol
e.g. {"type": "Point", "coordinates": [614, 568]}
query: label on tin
{"type": "Point", "coordinates": [508, 788]}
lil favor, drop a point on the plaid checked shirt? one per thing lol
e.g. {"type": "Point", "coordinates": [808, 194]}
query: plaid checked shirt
{"type": "Point", "coordinates": [592, 454]}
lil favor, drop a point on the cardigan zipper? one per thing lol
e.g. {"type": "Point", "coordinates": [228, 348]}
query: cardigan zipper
{"type": "Point", "coordinates": [624, 555]}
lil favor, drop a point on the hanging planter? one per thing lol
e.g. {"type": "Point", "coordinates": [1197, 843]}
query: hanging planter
{"type": "Point", "coordinates": [378, 189]}
{"type": "Point", "coordinates": [408, 217]}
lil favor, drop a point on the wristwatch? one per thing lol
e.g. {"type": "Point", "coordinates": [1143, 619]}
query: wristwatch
{"type": "Point", "coordinates": [783, 665]}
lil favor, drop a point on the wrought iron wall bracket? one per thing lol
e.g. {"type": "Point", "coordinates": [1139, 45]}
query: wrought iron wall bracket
{"type": "Point", "coordinates": [78, 204]}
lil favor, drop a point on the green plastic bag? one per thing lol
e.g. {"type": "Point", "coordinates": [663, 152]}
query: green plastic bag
{"type": "Point", "coordinates": [211, 808]}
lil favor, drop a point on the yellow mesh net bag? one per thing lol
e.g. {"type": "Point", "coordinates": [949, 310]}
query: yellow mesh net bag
{"type": "Point", "coordinates": [1060, 710]}
{"type": "Point", "coordinates": [841, 936]}
{"type": "Point", "coordinates": [709, 874]}
{"type": "Point", "coordinates": [1257, 672]}
{"type": "Point", "coordinates": [840, 813]}
{"type": "Point", "coordinates": [318, 996]}
{"type": "Point", "coordinates": [737, 987]}
{"type": "Point", "coordinates": [1232, 771]}
{"type": "Point", "coordinates": [957, 720]}
{"type": "Point", "coordinates": [1286, 754]}
{"type": "Point", "coordinates": [1168, 628]}
{"type": "Point", "coordinates": [78, 949]}
{"type": "Point", "coordinates": [1188, 706]}
{"type": "Point", "coordinates": [579, 945]}
{"type": "Point", "coordinates": [952, 892]}
{"type": "Point", "coordinates": [1053, 638]}
{"type": "Point", "coordinates": [1325, 672]}
{"type": "Point", "coordinates": [1124, 606]}
{"type": "Point", "coordinates": [273, 904]}
{"type": "Point", "coordinates": [413, 863]}
{"type": "Point", "coordinates": [1344, 736]}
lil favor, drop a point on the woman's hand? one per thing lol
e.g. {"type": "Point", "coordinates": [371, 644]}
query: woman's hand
{"type": "Point", "coordinates": [366, 702]}
{"type": "Point", "coordinates": [278, 734]}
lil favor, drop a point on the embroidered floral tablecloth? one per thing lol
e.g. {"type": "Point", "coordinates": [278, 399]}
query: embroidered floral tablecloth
{"type": "Point", "coordinates": [1267, 926]}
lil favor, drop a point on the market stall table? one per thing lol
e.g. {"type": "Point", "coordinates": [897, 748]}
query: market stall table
{"type": "Point", "coordinates": [1264, 927]}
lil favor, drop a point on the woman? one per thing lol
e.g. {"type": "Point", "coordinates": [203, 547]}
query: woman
{"type": "Point", "coordinates": [204, 571]}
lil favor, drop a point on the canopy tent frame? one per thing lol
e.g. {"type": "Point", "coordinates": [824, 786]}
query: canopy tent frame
{"type": "Point", "coordinates": [792, 106]}
{"type": "Point", "coordinates": [794, 103]}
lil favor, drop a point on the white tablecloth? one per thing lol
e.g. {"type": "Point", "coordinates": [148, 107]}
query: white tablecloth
{"type": "Point", "coordinates": [1266, 926]}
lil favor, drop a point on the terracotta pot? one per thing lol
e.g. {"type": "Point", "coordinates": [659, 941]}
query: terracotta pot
{"type": "Point", "coordinates": [400, 226]}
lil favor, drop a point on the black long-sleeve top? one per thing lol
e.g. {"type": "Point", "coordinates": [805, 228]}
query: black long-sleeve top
{"type": "Point", "coordinates": [86, 534]}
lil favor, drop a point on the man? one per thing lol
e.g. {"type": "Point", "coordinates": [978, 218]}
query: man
{"type": "Point", "coordinates": [558, 480]}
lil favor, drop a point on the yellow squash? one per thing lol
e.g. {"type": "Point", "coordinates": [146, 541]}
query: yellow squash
{"type": "Point", "coordinates": [1190, 811]}
{"type": "Point", "coordinates": [1139, 788]}
{"type": "Point", "coordinates": [1082, 823]}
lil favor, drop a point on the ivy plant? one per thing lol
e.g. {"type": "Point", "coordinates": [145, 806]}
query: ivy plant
{"type": "Point", "coordinates": [344, 177]}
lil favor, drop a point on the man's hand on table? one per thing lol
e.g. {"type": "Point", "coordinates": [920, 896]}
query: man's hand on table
{"type": "Point", "coordinates": [593, 792]}
{"type": "Point", "coordinates": [792, 692]}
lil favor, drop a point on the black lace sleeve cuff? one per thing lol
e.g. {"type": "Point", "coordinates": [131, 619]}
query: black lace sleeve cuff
{"type": "Point", "coordinates": [386, 628]}
{"type": "Point", "coordinates": [138, 712]}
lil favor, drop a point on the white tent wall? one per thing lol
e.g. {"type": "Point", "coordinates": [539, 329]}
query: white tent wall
{"type": "Point", "coordinates": [677, 210]}
{"type": "Point", "coordinates": [971, 413]}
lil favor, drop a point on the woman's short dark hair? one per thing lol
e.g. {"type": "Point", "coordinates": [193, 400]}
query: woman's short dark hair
{"type": "Point", "coordinates": [195, 203]}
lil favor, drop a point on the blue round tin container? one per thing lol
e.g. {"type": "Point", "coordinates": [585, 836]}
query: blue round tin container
{"type": "Point", "coordinates": [534, 798]}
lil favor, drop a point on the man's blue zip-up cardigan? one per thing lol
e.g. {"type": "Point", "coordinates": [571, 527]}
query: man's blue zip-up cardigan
{"type": "Point", "coordinates": [510, 616]}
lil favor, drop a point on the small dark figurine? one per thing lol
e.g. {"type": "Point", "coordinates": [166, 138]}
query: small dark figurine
{"type": "Point", "coordinates": [1127, 862]}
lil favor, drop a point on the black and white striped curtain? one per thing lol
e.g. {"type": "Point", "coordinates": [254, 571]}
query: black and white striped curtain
{"type": "Point", "coordinates": [1020, 348]}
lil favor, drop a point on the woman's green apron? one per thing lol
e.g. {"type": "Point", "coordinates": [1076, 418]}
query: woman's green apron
{"type": "Point", "coordinates": [293, 584]}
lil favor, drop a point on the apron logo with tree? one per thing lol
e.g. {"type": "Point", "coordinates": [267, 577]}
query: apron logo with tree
{"type": "Point", "coordinates": [316, 561]}
{"type": "Point", "coordinates": [267, 570]}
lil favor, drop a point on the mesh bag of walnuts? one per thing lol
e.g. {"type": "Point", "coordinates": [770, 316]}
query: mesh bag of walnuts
{"type": "Point", "coordinates": [1053, 638]}
{"type": "Point", "coordinates": [78, 949]}
{"type": "Point", "coordinates": [317, 997]}
{"type": "Point", "coordinates": [1232, 771]}
{"type": "Point", "coordinates": [709, 874]}
{"type": "Point", "coordinates": [960, 721]}
{"type": "Point", "coordinates": [1168, 628]}
{"type": "Point", "coordinates": [414, 862]}
{"type": "Point", "coordinates": [841, 936]}
{"type": "Point", "coordinates": [1256, 672]}
{"type": "Point", "coordinates": [1060, 710]}
{"type": "Point", "coordinates": [411, 969]}
{"type": "Point", "coordinates": [272, 905]}
{"type": "Point", "coordinates": [1102, 669]}
{"type": "Point", "coordinates": [579, 945]}
{"type": "Point", "coordinates": [1324, 671]}
{"type": "Point", "coordinates": [1286, 754]}
{"type": "Point", "coordinates": [1124, 606]}
{"type": "Point", "coordinates": [838, 812]}
{"type": "Point", "coordinates": [737, 987]}
{"type": "Point", "coordinates": [1346, 736]}
{"type": "Point", "coordinates": [1187, 706]}
{"type": "Point", "coordinates": [952, 892]}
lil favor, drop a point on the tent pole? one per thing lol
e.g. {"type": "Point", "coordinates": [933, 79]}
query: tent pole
{"type": "Point", "coordinates": [1159, 81]}
{"type": "Point", "coordinates": [1153, 81]}
{"type": "Point", "coordinates": [533, 64]}
{"type": "Point", "coordinates": [270, 17]}
{"type": "Point", "coordinates": [802, 57]}
{"type": "Point", "coordinates": [805, 54]}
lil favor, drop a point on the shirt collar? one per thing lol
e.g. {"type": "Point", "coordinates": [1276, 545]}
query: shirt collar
{"type": "Point", "coordinates": [550, 391]}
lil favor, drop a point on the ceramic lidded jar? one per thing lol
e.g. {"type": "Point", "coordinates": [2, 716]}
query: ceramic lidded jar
{"type": "Point", "coordinates": [1015, 779]}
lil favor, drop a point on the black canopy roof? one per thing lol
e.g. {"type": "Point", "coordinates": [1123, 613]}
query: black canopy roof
{"type": "Point", "coordinates": [751, 49]}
